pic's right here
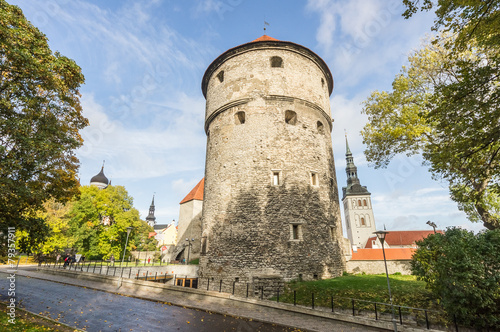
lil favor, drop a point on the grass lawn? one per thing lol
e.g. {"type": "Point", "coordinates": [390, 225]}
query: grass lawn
{"type": "Point", "coordinates": [406, 291]}
{"type": "Point", "coordinates": [28, 322]}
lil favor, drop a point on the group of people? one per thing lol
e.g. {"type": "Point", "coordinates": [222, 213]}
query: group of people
{"type": "Point", "coordinates": [68, 259]}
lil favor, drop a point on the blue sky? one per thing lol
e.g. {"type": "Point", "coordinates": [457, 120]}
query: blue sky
{"type": "Point", "coordinates": [144, 60]}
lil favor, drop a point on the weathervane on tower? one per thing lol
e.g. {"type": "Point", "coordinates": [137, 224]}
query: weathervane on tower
{"type": "Point", "coordinates": [265, 23]}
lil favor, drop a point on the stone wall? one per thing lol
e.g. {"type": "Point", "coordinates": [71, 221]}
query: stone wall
{"type": "Point", "coordinates": [377, 267]}
{"type": "Point", "coordinates": [252, 226]}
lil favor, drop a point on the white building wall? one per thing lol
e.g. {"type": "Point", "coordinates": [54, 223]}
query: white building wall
{"type": "Point", "coordinates": [187, 212]}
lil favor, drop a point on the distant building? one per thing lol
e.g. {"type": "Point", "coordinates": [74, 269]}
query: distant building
{"type": "Point", "coordinates": [100, 180]}
{"type": "Point", "coordinates": [399, 239]}
{"type": "Point", "coordinates": [358, 211]}
{"type": "Point", "coordinates": [151, 219]}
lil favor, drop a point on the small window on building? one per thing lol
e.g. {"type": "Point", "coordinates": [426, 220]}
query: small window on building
{"type": "Point", "coordinates": [291, 117]}
{"type": "Point", "coordinates": [296, 232]}
{"type": "Point", "coordinates": [359, 202]}
{"type": "Point", "coordinates": [220, 76]}
{"type": "Point", "coordinates": [276, 62]}
{"type": "Point", "coordinates": [276, 180]}
{"type": "Point", "coordinates": [315, 277]}
{"type": "Point", "coordinates": [314, 179]}
{"type": "Point", "coordinates": [239, 117]}
{"type": "Point", "coordinates": [319, 126]}
{"type": "Point", "coordinates": [237, 279]}
{"type": "Point", "coordinates": [363, 223]}
{"type": "Point", "coordinates": [322, 82]}
{"type": "Point", "coordinates": [364, 202]}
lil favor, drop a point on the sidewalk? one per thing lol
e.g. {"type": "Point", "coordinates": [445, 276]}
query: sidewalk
{"type": "Point", "coordinates": [269, 312]}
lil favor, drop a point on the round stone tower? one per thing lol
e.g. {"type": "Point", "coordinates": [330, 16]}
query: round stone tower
{"type": "Point", "coordinates": [271, 206]}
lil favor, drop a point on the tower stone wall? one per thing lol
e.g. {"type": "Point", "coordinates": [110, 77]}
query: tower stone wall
{"type": "Point", "coordinates": [270, 208]}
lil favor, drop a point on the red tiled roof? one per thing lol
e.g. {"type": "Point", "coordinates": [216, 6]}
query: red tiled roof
{"type": "Point", "coordinates": [196, 193]}
{"type": "Point", "coordinates": [402, 238]}
{"type": "Point", "coordinates": [391, 254]}
{"type": "Point", "coordinates": [264, 38]}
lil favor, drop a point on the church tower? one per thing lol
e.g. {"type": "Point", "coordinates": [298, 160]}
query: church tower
{"type": "Point", "coordinates": [151, 219]}
{"type": "Point", "coordinates": [270, 208]}
{"type": "Point", "coordinates": [360, 222]}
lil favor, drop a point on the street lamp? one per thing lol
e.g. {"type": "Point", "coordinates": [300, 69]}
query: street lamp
{"type": "Point", "coordinates": [432, 224]}
{"type": "Point", "coordinates": [189, 248]}
{"type": "Point", "coordinates": [129, 229]}
{"type": "Point", "coordinates": [381, 236]}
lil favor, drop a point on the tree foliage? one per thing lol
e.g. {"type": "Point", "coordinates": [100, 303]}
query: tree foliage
{"type": "Point", "coordinates": [99, 219]}
{"type": "Point", "coordinates": [463, 271]}
{"type": "Point", "coordinates": [445, 105]}
{"type": "Point", "coordinates": [40, 119]}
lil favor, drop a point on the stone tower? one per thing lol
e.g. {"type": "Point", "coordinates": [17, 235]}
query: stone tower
{"type": "Point", "coordinates": [271, 205]}
{"type": "Point", "coordinates": [359, 219]}
{"type": "Point", "coordinates": [151, 219]}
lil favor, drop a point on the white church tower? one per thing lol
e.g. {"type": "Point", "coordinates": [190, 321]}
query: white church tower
{"type": "Point", "coordinates": [360, 222]}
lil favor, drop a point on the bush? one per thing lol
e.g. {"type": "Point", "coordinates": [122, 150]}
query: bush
{"type": "Point", "coordinates": [463, 271]}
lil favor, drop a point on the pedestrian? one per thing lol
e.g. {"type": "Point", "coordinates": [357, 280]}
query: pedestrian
{"type": "Point", "coordinates": [112, 260]}
{"type": "Point", "coordinates": [149, 259]}
{"type": "Point", "coordinates": [58, 258]}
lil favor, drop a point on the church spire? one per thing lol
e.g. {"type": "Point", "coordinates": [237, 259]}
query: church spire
{"type": "Point", "coordinates": [151, 219]}
{"type": "Point", "coordinates": [351, 169]}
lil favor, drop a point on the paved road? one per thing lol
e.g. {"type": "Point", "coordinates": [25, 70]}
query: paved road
{"type": "Point", "coordinates": [94, 310]}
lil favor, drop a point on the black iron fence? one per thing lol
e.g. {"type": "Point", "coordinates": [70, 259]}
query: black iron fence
{"type": "Point", "coordinates": [329, 302]}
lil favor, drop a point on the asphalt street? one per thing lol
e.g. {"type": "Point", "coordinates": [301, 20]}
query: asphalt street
{"type": "Point", "coordinates": [94, 310]}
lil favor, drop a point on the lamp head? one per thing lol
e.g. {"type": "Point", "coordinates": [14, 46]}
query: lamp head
{"type": "Point", "coordinates": [381, 235]}
{"type": "Point", "coordinates": [129, 229]}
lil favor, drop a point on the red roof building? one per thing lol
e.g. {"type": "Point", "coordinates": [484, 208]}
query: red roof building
{"type": "Point", "coordinates": [195, 193]}
{"type": "Point", "coordinates": [400, 239]}
{"type": "Point", "coordinates": [391, 254]}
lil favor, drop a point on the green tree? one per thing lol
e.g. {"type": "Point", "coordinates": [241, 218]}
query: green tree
{"type": "Point", "coordinates": [98, 221]}
{"type": "Point", "coordinates": [467, 19]}
{"type": "Point", "coordinates": [40, 119]}
{"type": "Point", "coordinates": [444, 105]}
{"type": "Point", "coordinates": [463, 271]}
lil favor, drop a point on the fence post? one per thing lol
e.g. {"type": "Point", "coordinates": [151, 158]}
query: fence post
{"type": "Point", "coordinates": [261, 292]}
{"type": "Point", "coordinates": [332, 302]}
{"type": "Point", "coordinates": [247, 289]}
{"type": "Point", "coordinates": [114, 272]}
{"type": "Point", "coordinates": [129, 272]}
{"type": "Point", "coordinates": [208, 283]}
{"type": "Point", "coordinates": [156, 273]}
{"type": "Point", "coordinates": [138, 271]}
{"type": "Point", "coordinates": [294, 297]}
{"type": "Point", "coordinates": [234, 282]}
{"type": "Point", "coordinates": [278, 295]}
{"type": "Point", "coordinates": [353, 313]}
{"type": "Point", "coordinates": [121, 274]}
{"type": "Point", "coordinates": [400, 316]}
{"type": "Point", "coordinates": [93, 271]}
{"type": "Point", "coordinates": [312, 300]}
{"type": "Point", "coordinates": [376, 316]}
{"type": "Point", "coordinates": [220, 286]}
{"type": "Point", "coordinates": [426, 319]}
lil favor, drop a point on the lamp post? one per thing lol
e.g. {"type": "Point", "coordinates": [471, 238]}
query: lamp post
{"type": "Point", "coordinates": [432, 224]}
{"type": "Point", "coordinates": [381, 236]}
{"type": "Point", "coordinates": [189, 249]}
{"type": "Point", "coordinates": [129, 229]}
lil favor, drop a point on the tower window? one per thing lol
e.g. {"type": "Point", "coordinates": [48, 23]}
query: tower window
{"type": "Point", "coordinates": [319, 126]}
{"type": "Point", "coordinates": [314, 179]}
{"type": "Point", "coordinates": [359, 202]}
{"type": "Point", "coordinates": [296, 232]}
{"type": "Point", "coordinates": [322, 82]}
{"type": "Point", "coordinates": [363, 223]}
{"type": "Point", "coordinates": [276, 178]}
{"type": "Point", "coordinates": [364, 202]}
{"type": "Point", "coordinates": [276, 62]}
{"type": "Point", "coordinates": [291, 117]}
{"type": "Point", "coordinates": [220, 76]}
{"type": "Point", "coordinates": [239, 117]}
